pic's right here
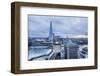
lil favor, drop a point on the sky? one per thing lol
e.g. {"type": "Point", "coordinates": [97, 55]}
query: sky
{"type": "Point", "coordinates": [39, 25]}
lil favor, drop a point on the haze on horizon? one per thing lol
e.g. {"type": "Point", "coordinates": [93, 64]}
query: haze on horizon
{"type": "Point", "coordinates": [38, 26]}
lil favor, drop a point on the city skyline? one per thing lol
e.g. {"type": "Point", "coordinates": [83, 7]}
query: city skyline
{"type": "Point", "coordinates": [62, 25]}
{"type": "Point", "coordinates": [54, 45]}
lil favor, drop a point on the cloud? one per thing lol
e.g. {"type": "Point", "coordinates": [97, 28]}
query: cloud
{"type": "Point", "coordinates": [62, 25]}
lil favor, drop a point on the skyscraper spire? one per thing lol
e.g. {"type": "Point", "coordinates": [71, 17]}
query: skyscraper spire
{"type": "Point", "coordinates": [51, 33]}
